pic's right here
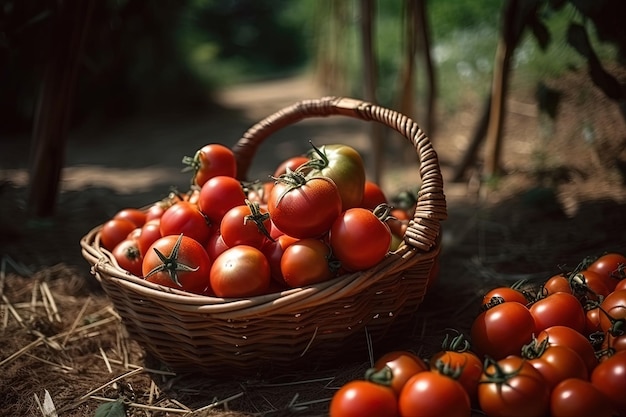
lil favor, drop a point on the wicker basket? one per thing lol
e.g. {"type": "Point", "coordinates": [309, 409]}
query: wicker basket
{"type": "Point", "coordinates": [299, 327]}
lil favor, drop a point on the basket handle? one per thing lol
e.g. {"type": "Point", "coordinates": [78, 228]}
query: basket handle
{"type": "Point", "coordinates": [424, 227]}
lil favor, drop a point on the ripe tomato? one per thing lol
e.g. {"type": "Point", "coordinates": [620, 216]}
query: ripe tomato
{"type": "Point", "coordinates": [429, 393]}
{"type": "Point", "coordinates": [210, 161]}
{"type": "Point", "coordinates": [566, 336]}
{"type": "Point", "coordinates": [215, 244]}
{"type": "Point", "coordinates": [373, 196]}
{"type": "Point", "coordinates": [136, 216]}
{"type": "Point", "coordinates": [403, 366]}
{"type": "Point", "coordinates": [555, 362]}
{"type": "Point", "coordinates": [559, 309]}
{"type": "Point", "coordinates": [613, 313]}
{"type": "Point", "coordinates": [342, 164]}
{"type": "Point", "coordinates": [589, 285]}
{"type": "Point", "coordinates": [513, 387]}
{"type": "Point", "coordinates": [612, 344]}
{"type": "Point", "coordinates": [185, 218]}
{"type": "Point", "coordinates": [128, 256]}
{"type": "Point", "coordinates": [178, 262]}
{"type": "Point", "coordinates": [148, 234]}
{"type": "Point", "coordinates": [502, 330]}
{"type": "Point", "coordinates": [621, 285]}
{"type": "Point", "coordinates": [455, 355]}
{"type": "Point", "coordinates": [114, 231]}
{"type": "Point", "coordinates": [575, 397]}
{"type": "Point", "coordinates": [306, 262]}
{"type": "Point", "coordinates": [609, 377]}
{"type": "Point", "coordinates": [502, 294]}
{"type": "Point", "coordinates": [304, 207]}
{"type": "Point", "coordinates": [364, 399]}
{"type": "Point", "coordinates": [292, 164]}
{"type": "Point", "coordinates": [156, 210]}
{"type": "Point", "coordinates": [274, 251]}
{"type": "Point", "coordinates": [247, 224]}
{"type": "Point", "coordinates": [592, 323]}
{"type": "Point", "coordinates": [611, 266]}
{"type": "Point", "coordinates": [557, 283]}
{"type": "Point", "coordinates": [218, 195]}
{"type": "Point", "coordinates": [240, 271]}
{"type": "Point", "coordinates": [359, 239]}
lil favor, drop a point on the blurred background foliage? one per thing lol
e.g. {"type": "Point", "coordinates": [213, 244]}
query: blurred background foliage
{"type": "Point", "coordinates": [142, 55]}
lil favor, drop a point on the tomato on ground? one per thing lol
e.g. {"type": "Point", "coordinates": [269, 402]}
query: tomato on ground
{"type": "Point", "coordinates": [429, 393]}
{"type": "Point", "coordinates": [360, 398]}
{"type": "Point", "coordinates": [559, 309]}
{"type": "Point", "coordinates": [403, 365]}
{"type": "Point", "coordinates": [240, 271]}
{"type": "Point", "coordinates": [566, 336]}
{"type": "Point", "coordinates": [513, 387]}
{"type": "Point", "coordinates": [502, 330]}
{"type": "Point", "coordinates": [609, 377]}
{"type": "Point", "coordinates": [501, 294]}
{"type": "Point", "coordinates": [178, 262]}
{"type": "Point", "coordinates": [574, 397]}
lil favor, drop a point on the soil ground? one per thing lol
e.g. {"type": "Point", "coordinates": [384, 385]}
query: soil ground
{"type": "Point", "coordinates": [563, 198]}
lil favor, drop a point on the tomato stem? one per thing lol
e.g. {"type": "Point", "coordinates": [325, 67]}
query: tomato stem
{"type": "Point", "coordinates": [258, 218]}
{"type": "Point", "coordinates": [170, 263]}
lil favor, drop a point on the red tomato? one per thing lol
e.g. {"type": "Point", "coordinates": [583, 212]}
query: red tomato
{"type": "Point", "coordinates": [359, 239]}
{"type": "Point", "coordinates": [428, 394]}
{"type": "Point", "coordinates": [290, 163]}
{"type": "Point", "coordinates": [178, 262]}
{"type": "Point", "coordinates": [306, 262]}
{"type": "Point", "coordinates": [502, 330]}
{"type": "Point", "coordinates": [559, 309]}
{"type": "Point", "coordinates": [612, 344]}
{"type": "Point", "coordinates": [513, 387]}
{"type": "Point", "coordinates": [373, 196]}
{"type": "Point", "coordinates": [218, 195]}
{"type": "Point", "coordinates": [185, 218]}
{"type": "Point", "coordinates": [403, 366]}
{"type": "Point", "coordinates": [149, 233]}
{"type": "Point", "coordinates": [609, 377]}
{"type": "Point", "coordinates": [555, 362]}
{"type": "Point", "coordinates": [502, 294]}
{"type": "Point", "coordinates": [621, 285]}
{"type": "Point", "coordinates": [592, 323]}
{"type": "Point", "coordinates": [210, 161]}
{"type": "Point", "coordinates": [274, 251]}
{"type": "Point", "coordinates": [258, 192]}
{"type": "Point", "coordinates": [469, 365]}
{"type": "Point", "coordinates": [575, 397]}
{"type": "Point", "coordinates": [364, 399]}
{"type": "Point", "coordinates": [566, 336]}
{"type": "Point", "coordinates": [114, 231]}
{"type": "Point", "coordinates": [247, 224]}
{"type": "Point", "coordinates": [136, 216]}
{"type": "Point", "coordinates": [589, 285]}
{"type": "Point", "coordinates": [128, 256]}
{"type": "Point", "coordinates": [240, 271]}
{"type": "Point", "coordinates": [613, 313]}
{"type": "Point", "coordinates": [304, 207]}
{"type": "Point", "coordinates": [612, 267]}
{"type": "Point", "coordinates": [557, 283]}
{"type": "Point", "coordinates": [215, 245]}
{"type": "Point", "coordinates": [157, 209]}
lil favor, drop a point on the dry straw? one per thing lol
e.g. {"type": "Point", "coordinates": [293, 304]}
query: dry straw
{"type": "Point", "coordinates": [301, 327]}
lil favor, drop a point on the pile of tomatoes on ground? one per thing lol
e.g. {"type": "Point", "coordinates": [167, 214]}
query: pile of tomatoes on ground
{"type": "Point", "coordinates": [315, 218]}
{"type": "Point", "coordinates": [554, 349]}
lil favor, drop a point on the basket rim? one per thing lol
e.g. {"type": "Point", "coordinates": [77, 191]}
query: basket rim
{"type": "Point", "coordinates": [104, 266]}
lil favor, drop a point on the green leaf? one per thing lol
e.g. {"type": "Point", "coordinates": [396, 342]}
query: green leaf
{"type": "Point", "coordinates": [114, 409]}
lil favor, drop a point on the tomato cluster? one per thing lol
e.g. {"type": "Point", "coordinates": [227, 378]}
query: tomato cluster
{"type": "Point", "coordinates": [553, 349]}
{"type": "Point", "coordinates": [315, 218]}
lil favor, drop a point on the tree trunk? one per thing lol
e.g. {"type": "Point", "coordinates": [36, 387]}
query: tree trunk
{"type": "Point", "coordinates": [370, 75]}
{"type": "Point", "coordinates": [55, 103]}
{"type": "Point", "coordinates": [423, 47]}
